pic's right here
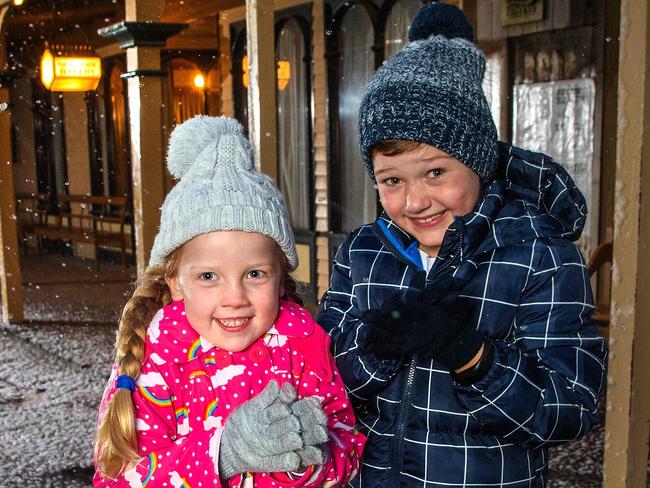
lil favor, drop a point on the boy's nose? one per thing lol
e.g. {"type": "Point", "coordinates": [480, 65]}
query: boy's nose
{"type": "Point", "coordinates": [416, 199]}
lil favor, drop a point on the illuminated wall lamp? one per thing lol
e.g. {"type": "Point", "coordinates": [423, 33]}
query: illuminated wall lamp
{"type": "Point", "coordinates": [283, 73]}
{"type": "Point", "coordinates": [67, 72]}
{"type": "Point", "coordinates": [199, 81]}
{"type": "Point", "coordinates": [15, 3]}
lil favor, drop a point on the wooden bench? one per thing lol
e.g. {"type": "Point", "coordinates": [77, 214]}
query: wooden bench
{"type": "Point", "coordinates": [31, 210]}
{"type": "Point", "coordinates": [95, 220]}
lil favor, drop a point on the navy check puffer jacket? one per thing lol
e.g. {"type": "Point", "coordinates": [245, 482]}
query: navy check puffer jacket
{"type": "Point", "coordinates": [526, 288]}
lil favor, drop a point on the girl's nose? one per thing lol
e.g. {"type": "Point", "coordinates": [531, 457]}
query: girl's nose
{"type": "Point", "coordinates": [234, 295]}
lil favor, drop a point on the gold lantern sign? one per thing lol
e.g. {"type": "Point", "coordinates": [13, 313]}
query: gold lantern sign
{"type": "Point", "coordinates": [72, 69]}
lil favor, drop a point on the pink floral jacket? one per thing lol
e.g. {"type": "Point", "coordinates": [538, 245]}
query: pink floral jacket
{"type": "Point", "coordinates": [187, 388]}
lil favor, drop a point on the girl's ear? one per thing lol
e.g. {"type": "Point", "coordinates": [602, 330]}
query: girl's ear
{"type": "Point", "coordinates": [174, 288]}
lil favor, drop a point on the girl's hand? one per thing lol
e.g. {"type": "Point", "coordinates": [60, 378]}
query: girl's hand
{"type": "Point", "coordinates": [262, 435]}
{"type": "Point", "coordinates": [313, 423]}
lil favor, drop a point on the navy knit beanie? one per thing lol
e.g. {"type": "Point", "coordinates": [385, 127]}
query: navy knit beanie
{"type": "Point", "coordinates": [431, 92]}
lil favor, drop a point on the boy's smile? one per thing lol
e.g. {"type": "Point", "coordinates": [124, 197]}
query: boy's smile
{"type": "Point", "coordinates": [231, 283]}
{"type": "Point", "coordinates": [422, 191]}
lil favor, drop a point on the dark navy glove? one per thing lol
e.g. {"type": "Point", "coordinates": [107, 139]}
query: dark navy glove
{"type": "Point", "coordinates": [438, 330]}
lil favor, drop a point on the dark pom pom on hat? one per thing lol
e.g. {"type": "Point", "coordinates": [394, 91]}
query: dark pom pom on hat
{"type": "Point", "coordinates": [440, 19]}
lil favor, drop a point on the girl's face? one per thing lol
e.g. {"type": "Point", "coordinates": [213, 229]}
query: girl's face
{"type": "Point", "coordinates": [422, 190]}
{"type": "Point", "coordinates": [231, 283]}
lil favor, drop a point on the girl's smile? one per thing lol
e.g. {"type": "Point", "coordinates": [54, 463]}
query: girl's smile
{"type": "Point", "coordinates": [231, 283]}
{"type": "Point", "coordinates": [232, 325]}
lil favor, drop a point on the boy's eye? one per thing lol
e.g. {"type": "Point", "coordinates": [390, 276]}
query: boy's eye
{"type": "Point", "coordinates": [207, 276]}
{"type": "Point", "coordinates": [437, 172]}
{"type": "Point", "coordinates": [256, 273]}
{"type": "Point", "coordinates": [391, 181]}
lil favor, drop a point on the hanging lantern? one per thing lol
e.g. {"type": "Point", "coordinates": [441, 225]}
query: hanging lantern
{"type": "Point", "coordinates": [72, 70]}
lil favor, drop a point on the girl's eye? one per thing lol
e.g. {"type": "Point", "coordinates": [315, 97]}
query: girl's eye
{"type": "Point", "coordinates": [256, 273]}
{"type": "Point", "coordinates": [207, 276]}
{"type": "Point", "coordinates": [437, 172]}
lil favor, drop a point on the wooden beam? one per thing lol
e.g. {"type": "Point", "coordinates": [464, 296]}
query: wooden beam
{"type": "Point", "coordinates": [10, 276]}
{"type": "Point", "coordinates": [321, 147]}
{"type": "Point", "coordinates": [628, 395]}
{"type": "Point", "coordinates": [145, 128]}
{"type": "Point", "coordinates": [262, 125]}
{"type": "Point", "coordinates": [282, 4]}
{"type": "Point", "coordinates": [237, 14]}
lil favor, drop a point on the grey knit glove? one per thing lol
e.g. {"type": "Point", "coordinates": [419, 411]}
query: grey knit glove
{"type": "Point", "coordinates": [313, 423]}
{"type": "Point", "coordinates": [262, 434]}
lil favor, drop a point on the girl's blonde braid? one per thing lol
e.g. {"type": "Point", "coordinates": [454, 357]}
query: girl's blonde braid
{"type": "Point", "coordinates": [116, 445]}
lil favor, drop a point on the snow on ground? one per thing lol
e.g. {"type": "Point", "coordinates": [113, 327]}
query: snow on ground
{"type": "Point", "coordinates": [54, 368]}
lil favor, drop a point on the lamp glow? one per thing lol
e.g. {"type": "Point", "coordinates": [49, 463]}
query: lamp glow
{"type": "Point", "coordinates": [70, 73]}
{"type": "Point", "coordinates": [199, 81]}
{"type": "Point", "coordinates": [283, 73]}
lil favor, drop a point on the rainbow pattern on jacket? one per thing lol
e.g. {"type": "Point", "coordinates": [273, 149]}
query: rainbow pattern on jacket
{"type": "Point", "coordinates": [194, 349]}
{"type": "Point", "coordinates": [198, 372]}
{"type": "Point", "coordinates": [212, 406]}
{"type": "Point", "coordinates": [161, 402]}
{"type": "Point", "coordinates": [181, 412]}
{"type": "Point", "coordinates": [210, 360]}
{"type": "Point", "coordinates": [153, 464]}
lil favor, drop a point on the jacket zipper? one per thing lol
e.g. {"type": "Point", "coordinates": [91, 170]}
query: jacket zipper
{"type": "Point", "coordinates": [404, 407]}
{"type": "Point", "coordinates": [407, 391]}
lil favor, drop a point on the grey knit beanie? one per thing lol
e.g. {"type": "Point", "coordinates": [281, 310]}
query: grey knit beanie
{"type": "Point", "coordinates": [431, 92]}
{"type": "Point", "coordinates": [219, 189]}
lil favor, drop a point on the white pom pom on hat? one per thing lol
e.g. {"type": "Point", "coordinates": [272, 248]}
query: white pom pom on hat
{"type": "Point", "coordinates": [189, 139]}
{"type": "Point", "coordinates": [219, 189]}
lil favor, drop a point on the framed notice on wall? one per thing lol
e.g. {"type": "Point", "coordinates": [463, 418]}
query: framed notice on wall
{"type": "Point", "coordinates": [557, 119]}
{"type": "Point", "coordinates": [521, 11]}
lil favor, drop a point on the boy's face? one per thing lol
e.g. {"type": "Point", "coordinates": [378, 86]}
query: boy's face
{"type": "Point", "coordinates": [231, 283]}
{"type": "Point", "coordinates": [422, 190]}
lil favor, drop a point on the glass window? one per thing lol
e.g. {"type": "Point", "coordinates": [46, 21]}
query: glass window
{"type": "Point", "coordinates": [188, 90]}
{"type": "Point", "coordinates": [355, 202]}
{"type": "Point", "coordinates": [118, 156]}
{"type": "Point", "coordinates": [49, 140]}
{"type": "Point", "coordinates": [240, 79]}
{"type": "Point", "coordinates": [294, 153]}
{"type": "Point", "coordinates": [492, 85]}
{"type": "Point", "coordinates": [397, 25]}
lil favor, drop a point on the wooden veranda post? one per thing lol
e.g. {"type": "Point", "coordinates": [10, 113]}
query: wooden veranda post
{"type": "Point", "coordinates": [143, 35]}
{"type": "Point", "coordinates": [10, 277]}
{"type": "Point", "coordinates": [321, 158]}
{"type": "Point", "coordinates": [262, 125]}
{"type": "Point", "coordinates": [628, 394]}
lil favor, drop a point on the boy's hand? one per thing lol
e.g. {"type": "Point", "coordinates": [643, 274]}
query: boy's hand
{"type": "Point", "coordinates": [430, 330]}
{"type": "Point", "coordinates": [313, 423]}
{"type": "Point", "coordinates": [262, 435]}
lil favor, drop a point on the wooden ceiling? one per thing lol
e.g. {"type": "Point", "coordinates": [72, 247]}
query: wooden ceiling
{"type": "Point", "coordinates": [62, 21]}
{"type": "Point", "coordinates": [77, 21]}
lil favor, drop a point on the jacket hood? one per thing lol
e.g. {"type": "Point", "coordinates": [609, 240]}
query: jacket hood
{"type": "Point", "coordinates": [530, 197]}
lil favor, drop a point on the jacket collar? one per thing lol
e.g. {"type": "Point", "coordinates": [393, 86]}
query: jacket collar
{"type": "Point", "coordinates": [530, 197]}
{"type": "Point", "coordinates": [172, 339]}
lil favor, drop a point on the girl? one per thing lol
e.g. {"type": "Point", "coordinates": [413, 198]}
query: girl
{"type": "Point", "coordinates": [231, 384]}
{"type": "Point", "coordinates": [461, 318]}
